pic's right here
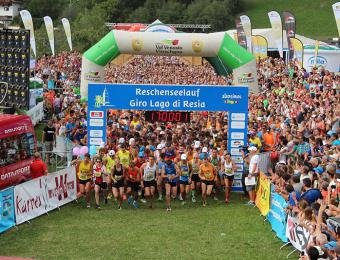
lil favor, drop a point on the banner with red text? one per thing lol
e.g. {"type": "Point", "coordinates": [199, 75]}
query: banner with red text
{"type": "Point", "coordinates": [61, 188]}
{"type": "Point", "coordinates": [30, 200]}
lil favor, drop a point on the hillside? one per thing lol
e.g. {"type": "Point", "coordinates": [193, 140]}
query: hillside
{"type": "Point", "coordinates": [314, 18]}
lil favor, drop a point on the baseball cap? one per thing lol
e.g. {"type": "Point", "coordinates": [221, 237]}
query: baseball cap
{"type": "Point", "coordinates": [183, 157]}
{"type": "Point", "coordinates": [252, 148]}
{"type": "Point", "coordinates": [112, 152]}
{"type": "Point", "coordinates": [204, 150]}
{"type": "Point", "coordinates": [121, 140]}
{"type": "Point", "coordinates": [159, 147]}
{"type": "Point", "coordinates": [197, 144]}
{"type": "Point", "coordinates": [131, 141]}
{"type": "Point", "coordinates": [330, 245]}
{"type": "Point", "coordinates": [318, 170]}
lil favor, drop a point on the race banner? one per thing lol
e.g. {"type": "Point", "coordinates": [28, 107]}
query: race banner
{"type": "Point", "coordinates": [30, 199]}
{"type": "Point", "coordinates": [61, 188]}
{"type": "Point", "coordinates": [290, 26]}
{"type": "Point", "coordinates": [245, 21]}
{"type": "Point", "coordinates": [297, 46]}
{"type": "Point", "coordinates": [297, 235]}
{"type": "Point", "coordinates": [260, 47]}
{"type": "Point", "coordinates": [336, 11]}
{"type": "Point", "coordinates": [275, 21]}
{"type": "Point", "coordinates": [7, 218]}
{"type": "Point", "coordinates": [277, 215]}
{"type": "Point", "coordinates": [241, 36]}
{"type": "Point", "coordinates": [262, 200]}
{"type": "Point", "coordinates": [67, 29]}
{"type": "Point", "coordinates": [316, 53]}
{"type": "Point", "coordinates": [28, 23]}
{"type": "Point", "coordinates": [50, 32]}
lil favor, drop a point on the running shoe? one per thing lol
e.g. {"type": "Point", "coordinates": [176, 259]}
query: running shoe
{"type": "Point", "coordinates": [119, 208]}
{"type": "Point", "coordinates": [168, 209]}
{"type": "Point", "coordinates": [250, 203]}
{"type": "Point", "coordinates": [129, 200]}
{"type": "Point", "coordinates": [180, 197]}
{"type": "Point", "coordinates": [135, 204]}
{"type": "Point", "coordinates": [109, 196]}
{"type": "Point", "coordinates": [204, 204]}
{"type": "Point", "coordinates": [215, 198]}
{"type": "Point", "coordinates": [97, 206]}
{"type": "Point", "coordinates": [160, 198]}
{"type": "Point", "coordinates": [193, 199]}
{"type": "Point", "coordinates": [143, 201]}
{"type": "Point", "coordinates": [88, 206]}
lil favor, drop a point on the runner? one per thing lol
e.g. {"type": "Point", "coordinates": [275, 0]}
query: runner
{"type": "Point", "coordinates": [117, 176]}
{"type": "Point", "coordinates": [160, 164]}
{"type": "Point", "coordinates": [133, 180]}
{"type": "Point", "coordinates": [84, 174]}
{"type": "Point", "coordinates": [109, 163]}
{"type": "Point", "coordinates": [184, 178]}
{"type": "Point", "coordinates": [98, 174]}
{"type": "Point", "coordinates": [170, 173]}
{"type": "Point", "coordinates": [215, 161]}
{"type": "Point", "coordinates": [195, 179]}
{"type": "Point", "coordinates": [124, 156]}
{"type": "Point", "coordinates": [228, 168]}
{"type": "Point", "coordinates": [149, 172]}
{"type": "Point", "coordinates": [207, 175]}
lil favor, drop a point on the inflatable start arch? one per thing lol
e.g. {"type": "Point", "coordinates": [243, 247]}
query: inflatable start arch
{"type": "Point", "coordinates": [219, 44]}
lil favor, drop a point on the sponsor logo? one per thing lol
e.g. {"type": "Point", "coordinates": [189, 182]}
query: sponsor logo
{"type": "Point", "coordinates": [96, 133]}
{"type": "Point", "coordinates": [237, 135]}
{"type": "Point", "coordinates": [96, 114]}
{"type": "Point", "coordinates": [169, 46]}
{"type": "Point", "coordinates": [237, 159]}
{"type": "Point", "coordinates": [197, 45]}
{"type": "Point", "coordinates": [238, 116]}
{"type": "Point", "coordinates": [236, 143]}
{"type": "Point", "coordinates": [238, 125]}
{"type": "Point", "coordinates": [96, 122]}
{"type": "Point", "coordinates": [289, 19]}
{"type": "Point", "coordinates": [16, 129]}
{"type": "Point", "coordinates": [137, 44]}
{"type": "Point", "coordinates": [246, 78]}
{"type": "Point", "coordinates": [235, 151]}
{"type": "Point", "coordinates": [92, 76]}
{"type": "Point", "coordinates": [62, 187]}
{"type": "Point", "coordinates": [23, 170]}
{"type": "Point", "coordinates": [96, 141]}
{"type": "Point", "coordinates": [320, 61]}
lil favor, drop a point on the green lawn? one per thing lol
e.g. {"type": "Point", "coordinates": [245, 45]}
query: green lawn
{"type": "Point", "coordinates": [314, 18]}
{"type": "Point", "coordinates": [189, 232]}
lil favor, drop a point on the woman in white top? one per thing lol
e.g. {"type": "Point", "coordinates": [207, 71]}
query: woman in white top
{"type": "Point", "coordinates": [228, 168]}
{"type": "Point", "coordinates": [149, 173]}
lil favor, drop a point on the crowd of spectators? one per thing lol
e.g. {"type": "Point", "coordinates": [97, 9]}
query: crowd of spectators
{"type": "Point", "coordinates": [294, 119]}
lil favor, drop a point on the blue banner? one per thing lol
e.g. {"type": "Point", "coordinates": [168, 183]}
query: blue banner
{"type": "Point", "coordinates": [277, 216]}
{"type": "Point", "coordinates": [7, 218]}
{"type": "Point", "coordinates": [102, 97]}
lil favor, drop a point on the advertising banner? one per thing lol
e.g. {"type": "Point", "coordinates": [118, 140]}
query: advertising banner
{"type": "Point", "coordinates": [28, 23]}
{"type": "Point", "coordinates": [245, 21]}
{"type": "Point", "coordinates": [277, 216]}
{"type": "Point", "coordinates": [7, 218]}
{"type": "Point", "coordinates": [169, 98]}
{"type": "Point", "coordinates": [297, 46]}
{"type": "Point", "coordinates": [297, 235]}
{"type": "Point", "coordinates": [61, 188]}
{"type": "Point", "coordinates": [67, 28]}
{"type": "Point", "coordinates": [50, 32]}
{"type": "Point", "coordinates": [241, 35]}
{"type": "Point", "coordinates": [328, 57]}
{"type": "Point", "coordinates": [275, 21]}
{"type": "Point", "coordinates": [336, 11]}
{"type": "Point", "coordinates": [30, 199]}
{"type": "Point", "coordinates": [290, 26]}
{"type": "Point", "coordinates": [262, 200]}
{"type": "Point", "coordinates": [260, 47]}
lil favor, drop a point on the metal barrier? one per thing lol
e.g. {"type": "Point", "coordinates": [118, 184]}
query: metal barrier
{"type": "Point", "coordinates": [266, 162]}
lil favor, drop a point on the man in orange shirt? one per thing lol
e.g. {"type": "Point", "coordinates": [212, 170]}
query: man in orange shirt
{"type": "Point", "coordinates": [38, 167]}
{"type": "Point", "coordinates": [207, 175]}
{"type": "Point", "coordinates": [269, 139]}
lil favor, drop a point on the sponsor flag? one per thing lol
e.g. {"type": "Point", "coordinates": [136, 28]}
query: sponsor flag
{"type": "Point", "coordinates": [67, 29]}
{"type": "Point", "coordinates": [336, 10]}
{"type": "Point", "coordinates": [275, 21]}
{"type": "Point", "coordinates": [50, 33]}
{"type": "Point", "coordinates": [298, 236]}
{"type": "Point", "coordinates": [260, 47]}
{"type": "Point", "coordinates": [7, 218]}
{"type": "Point", "coordinates": [316, 52]}
{"type": "Point", "coordinates": [290, 26]}
{"type": "Point", "coordinates": [241, 36]}
{"type": "Point", "coordinates": [245, 21]}
{"type": "Point", "coordinates": [28, 23]}
{"type": "Point", "coordinates": [263, 194]}
{"type": "Point", "coordinates": [297, 46]}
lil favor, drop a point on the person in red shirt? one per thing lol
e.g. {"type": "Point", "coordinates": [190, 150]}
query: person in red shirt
{"type": "Point", "coordinates": [38, 167]}
{"type": "Point", "coordinates": [134, 178]}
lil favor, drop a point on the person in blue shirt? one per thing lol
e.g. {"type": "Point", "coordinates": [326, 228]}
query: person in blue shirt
{"type": "Point", "coordinates": [170, 173]}
{"type": "Point", "coordinates": [160, 163]}
{"type": "Point", "coordinates": [310, 195]}
{"type": "Point", "coordinates": [184, 178]}
{"type": "Point", "coordinates": [70, 125]}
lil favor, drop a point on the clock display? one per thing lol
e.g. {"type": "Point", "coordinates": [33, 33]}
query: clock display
{"type": "Point", "coordinates": [167, 116]}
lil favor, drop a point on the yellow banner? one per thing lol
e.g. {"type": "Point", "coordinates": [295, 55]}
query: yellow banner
{"type": "Point", "coordinates": [298, 51]}
{"type": "Point", "coordinates": [260, 47]}
{"type": "Point", "coordinates": [263, 194]}
{"type": "Point", "coordinates": [316, 52]}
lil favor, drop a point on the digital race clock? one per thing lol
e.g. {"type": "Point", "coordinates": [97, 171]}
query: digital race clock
{"type": "Point", "coordinates": [167, 116]}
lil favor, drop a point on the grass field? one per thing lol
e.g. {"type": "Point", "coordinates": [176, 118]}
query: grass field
{"type": "Point", "coordinates": [188, 232]}
{"type": "Point", "coordinates": [314, 18]}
